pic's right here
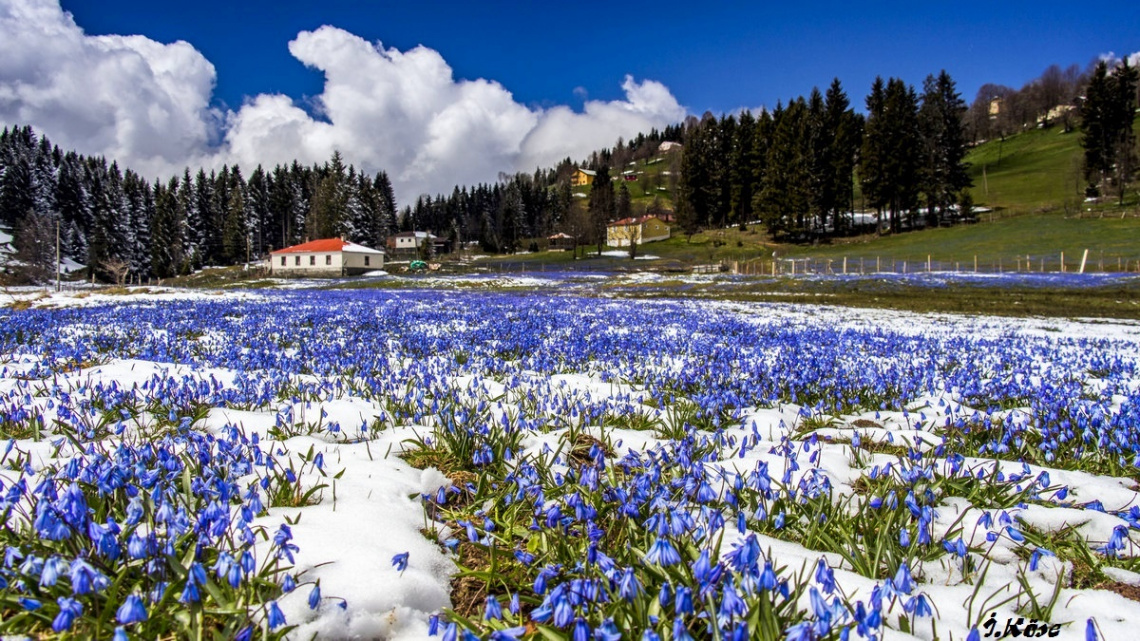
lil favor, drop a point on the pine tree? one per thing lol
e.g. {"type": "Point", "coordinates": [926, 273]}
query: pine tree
{"type": "Point", "coordinates": [257, 214]}
{"type": "Point", "coordinates": [601, 207]}
{"type": "Point", "coordinates": [235, 239]}
{"type": "Point", "coordinates": [1125, 79]}
{"type": "Point", "coordinates": [329, 215]}
{"type": "Point", "coordinates": [873, 157]}
{"type": "Point", "coordinates": [1097, 129]}
{"type": "Point", "coordinates": [743, 166]}
{"type": "Point", "coordinates": [944, 172]}
{"type": "Point", "coordinates": [784, 198]}
{"type": "Point", "coordinates": [843, 129]}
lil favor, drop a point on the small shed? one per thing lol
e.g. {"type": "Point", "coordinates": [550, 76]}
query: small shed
{"type": "Point", "coordinates": [560, 241]}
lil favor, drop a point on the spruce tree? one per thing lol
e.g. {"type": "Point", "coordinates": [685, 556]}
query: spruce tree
{"type": "Point", "coordinates": [873, 154]}
{"type": "Point", "coordinates": [601, 205]}
{"type": "Point", "coordinates": [1097, 135]}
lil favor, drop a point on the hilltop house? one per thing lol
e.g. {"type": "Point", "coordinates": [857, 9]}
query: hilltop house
{"type": "Point", "coordinates": [582, 177]}
{"type": "Point", "coordinates": [645, 229]}
{"type": "Point", "coordinates": [325, 257]}
{"type": "Point", "coordinates": [411, 243]}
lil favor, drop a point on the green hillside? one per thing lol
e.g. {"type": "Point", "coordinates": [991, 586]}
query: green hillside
{"type": "Point", "coordinates": [1031, 183]}
{"type": "Point", "coordinates": [1035, 171]}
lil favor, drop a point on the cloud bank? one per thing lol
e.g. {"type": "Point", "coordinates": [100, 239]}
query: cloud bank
{"type": "Point", "coordinates": [148, 105]}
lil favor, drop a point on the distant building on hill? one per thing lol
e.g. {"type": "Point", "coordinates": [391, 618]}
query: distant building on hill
{"type": "Point", "coordinates": [668, 146]}
{"type": "Point", "coordinates": [326, 257]}
{"type": "Point", "coordinates": [582, 177]}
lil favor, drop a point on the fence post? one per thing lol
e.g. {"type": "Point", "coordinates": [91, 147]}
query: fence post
{"type": "Point", "coordinates": [1084, 258]}
{"type": "Point", "coordinates": [1062, 262]}
{"type": "Point", "coordinates": [844, 265]}
{"type": "Point", "coordinates": [928, 262]}
{"type": "Point", "coordinates": [975, 263]}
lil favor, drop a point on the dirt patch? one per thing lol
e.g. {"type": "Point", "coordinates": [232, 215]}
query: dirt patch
{"type": "Point", "coordinates": [469, 593]}
{"type": "Point", "coordinates": [1125, 590]}
{"type": "Point", "coordinates": [862, 422]}
{"type": "Point", "coordinates": [580, 449]}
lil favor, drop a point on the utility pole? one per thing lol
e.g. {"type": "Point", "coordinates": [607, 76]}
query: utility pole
{"type": "Point", "coordinates": [57, 265]}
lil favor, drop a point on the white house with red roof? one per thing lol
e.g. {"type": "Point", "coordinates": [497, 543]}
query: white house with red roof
{"type": "Point", "coordinates": [325, 257]}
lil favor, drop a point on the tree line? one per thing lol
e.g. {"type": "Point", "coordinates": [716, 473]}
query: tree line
{"type": "Point", "coordinates": [119, 224]}
{"type": "Point", "coordinates": [795, 168]}
{"type": "Point", "coordinates": [803, 170]}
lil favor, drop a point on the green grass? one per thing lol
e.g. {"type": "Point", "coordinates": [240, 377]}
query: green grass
{"type": "Point", "coordinates": [1006, 239]}
{"type": "Point", "coordinates": [1034, 171]}
{"type": "Point", "coordinates": [1038, 170]}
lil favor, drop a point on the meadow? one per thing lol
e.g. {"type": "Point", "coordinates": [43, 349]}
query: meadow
{"type": "Point", "coordinates": [469, 464]}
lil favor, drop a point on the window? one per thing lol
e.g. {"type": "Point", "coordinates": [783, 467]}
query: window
{"type": "Point", "coordinates": [328, 259]}
{"type": "Point", "coordinates": [312, 260]}
{"type": "Point", "coordinates": [282, 261]}
{"type": "Point", "coordinates": [366, 261]}
{"type": "Point", "coordinates": [297, 261]}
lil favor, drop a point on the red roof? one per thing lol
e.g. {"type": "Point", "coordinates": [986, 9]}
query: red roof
{"type": "Point", "coordinates": [630, 221]}
{"type": "Point", "coordinates": [322, 245]}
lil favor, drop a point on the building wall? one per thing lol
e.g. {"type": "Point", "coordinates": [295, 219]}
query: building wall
{"type": "Point", "coordinates": [654, 229]}
{"type": "Point", "coordinates": [647, 232]}
{"type": "Point", "coordinates": [355, 263]}
{"type": "Point", "coordinates": [581, 178]}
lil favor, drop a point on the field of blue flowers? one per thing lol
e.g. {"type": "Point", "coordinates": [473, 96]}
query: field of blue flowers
{"type": "Point", "coordinates": [419, 464]}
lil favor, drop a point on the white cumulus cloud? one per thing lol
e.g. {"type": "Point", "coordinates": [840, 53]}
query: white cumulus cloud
{"type": "Point", "coordinates": [147, 104]}
{"type": "Point", "coordinates": [125, 96]}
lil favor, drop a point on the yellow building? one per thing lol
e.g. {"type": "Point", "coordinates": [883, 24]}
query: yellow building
{"type": "Point", "coordinates": [645, 229]}
{"type": "Point", "coordinates": [582, 177]}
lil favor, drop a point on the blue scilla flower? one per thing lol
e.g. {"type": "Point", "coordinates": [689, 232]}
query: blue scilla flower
{"type": "Point", "coordinates": [85, 578]}
{"type": "Point", "coordinates": [49, 525]}
{"type": "Point", "coordinates": [825, 576]}
{"type": "Point", "coordinates": [607, 631]}
{"type": "Point", "coordinates": [315, 597]}
{"type": "Point", "coordinates": [400, 561]}
{"type": "Point", "coordinates": [902, 580]}
{"type": "Point", "coordinates": [131, 611]}
{"type": "Point", "coordinates": [683, 601]}
{"type": "Point", "coordinates": [662, 553]}
{"type": "Point", "coordinates": [276, 617]}
{"type": "Point", "coordinates": [731, 604]}
{"type": "Point", "coordinates": [628, 585]}
{"type": "Point", "coordinates": [190, 593]}
{"type": "Point", "coordinates": [508, 634]}
{"type": "Point", "coordinates": [493, 610]}
{"type": "Point", "coordinates": [581, 630]}
{"type": "Point", "coordinates": [30, 604]}
{"type": "Point", "coordinates": [680, 630]}
{"type": "Point", "coordinates": [745, 556]}
{"type": "Point", "coordinates": [768, 580]}
{"type": "Point", "coordinates": [69, 609]}
{"type": "Point", "coordinates": [50, 570]}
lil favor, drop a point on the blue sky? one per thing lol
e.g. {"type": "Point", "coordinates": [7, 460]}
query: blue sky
{"type": "Point", "coordinates": [441, 93]}
{"type": "Point", "coordinates": [712, 56]}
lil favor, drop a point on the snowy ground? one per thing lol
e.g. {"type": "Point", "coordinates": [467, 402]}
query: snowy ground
{"type": "Point", "coordinates": [372, 509]}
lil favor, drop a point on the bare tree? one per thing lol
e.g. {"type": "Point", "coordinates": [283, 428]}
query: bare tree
{"type": "Point", "coordinates": [35, 248]}
{"type": "Point", "coordinates": [117, 268]}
